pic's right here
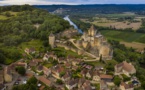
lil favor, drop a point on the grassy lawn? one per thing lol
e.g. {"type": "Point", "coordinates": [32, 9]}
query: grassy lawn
{"type": "Point", "coordinates": [2, 17]}
{"type": "Point", "coordinates": [48, 65]}
{"type": "Point", "coordinates": [97, 86]}
{"type": "Point", "coordinates": [8, 61]}
{"type": "Point", "coordinates": [124, 36]}
{"type": "Point", "coordinates": [96, 63]}
{"type": "Point", "coordinates": [66, 52]}
{"type": "Point", "coordinates": [37, 44]}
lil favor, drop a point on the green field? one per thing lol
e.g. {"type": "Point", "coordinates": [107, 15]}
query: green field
{"type": "Point", "coordinates": [124, 36]}
{"type": "Point", "coordinates": [118, 15]}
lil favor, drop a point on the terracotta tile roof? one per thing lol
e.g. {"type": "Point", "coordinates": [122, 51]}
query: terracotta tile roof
{"type": "Point", "coordinates": [29, 75]}
{"type": "Point", "coordinates": [106, 76]}
{"type": "Point", "coordinates": [45, 69]}
{"type": "Point", "coordinates": [45, 80]}
{"type": "Point", "coordinates": [42, 88]}
{"type": "Point", "coordinates": [126, 66]}
{"type": "Point", "coordinates": [21, 64]}
{"type": "Point", "coordinates": [96, 73]}
{"type": "Point", "coordinates": [86, 85]}
{"type": "Point", "coordinates": [126, 86]}
{"type": "Point", "coordinates": [33, 63]}
{"type": "Point", "coordinates": [73, 82]}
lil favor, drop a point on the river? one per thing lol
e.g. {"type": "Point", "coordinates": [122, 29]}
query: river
{"type": "Point", "coordinates": [72, 23]}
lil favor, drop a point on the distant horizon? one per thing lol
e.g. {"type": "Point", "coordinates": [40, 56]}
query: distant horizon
{"type": "Point", "coordinates": [70, 2]}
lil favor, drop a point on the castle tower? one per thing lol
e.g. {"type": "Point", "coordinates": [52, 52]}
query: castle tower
{"type": "Point", "coordinates": [52, 40]}
{"type": "Point", "coordinates": [92, 31]}
{"type": "Point", "coordinates": [97, 42]}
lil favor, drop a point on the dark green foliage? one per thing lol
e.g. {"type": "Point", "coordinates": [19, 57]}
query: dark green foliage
{"type": "Point", "coordinates": [22, 28]}
{"type": "Point", "coordinates": [58, 81]}
{"type": "Point", "coordinates": [2, 58]}
{"type": "Point", "coordinates": [32, 80]}
{"type": "Point", "coordinates": [125, 78]}
{"type": "Point", "coordinates": [62, 74]}
{"type": "Point", "coordinates": [117, 80]}
{"type": "Point", "coordinates": [21, 70]}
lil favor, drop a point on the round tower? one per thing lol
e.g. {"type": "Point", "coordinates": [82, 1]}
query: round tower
{"type": "Point", "coordinates": [52, 40]}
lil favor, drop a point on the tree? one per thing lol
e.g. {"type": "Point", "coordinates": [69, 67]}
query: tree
{"type": "Point", "coordinates": [2, 58]}
{"type": "Point", "coordinates": [8, 14]}
{"type": "Point", "coordinates": [143, 85]}
{"type": "Point", "coordinates": [59, 81]}
{"type": "Point", "coordinates": [21, 70]}
{"type": "Point", "coordinates": [32, 80]}
{"type": "Point", "coordinates": [101, 58]}
{"type": "Point", "coordinates": [117, 80]}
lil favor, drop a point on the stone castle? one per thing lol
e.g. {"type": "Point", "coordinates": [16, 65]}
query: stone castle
{"type": "Point", "coordinates": [93, 42]}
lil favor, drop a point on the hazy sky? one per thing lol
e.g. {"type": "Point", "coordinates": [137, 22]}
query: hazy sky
{"type": "Point", "coordinates": [48, 2]}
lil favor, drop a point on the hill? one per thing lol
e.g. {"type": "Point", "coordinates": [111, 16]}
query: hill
{"type": "Point", "coordinates": [20, 24]}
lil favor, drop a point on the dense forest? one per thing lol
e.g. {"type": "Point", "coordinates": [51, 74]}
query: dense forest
{"type": "Point", "coordinates": [25, 23]}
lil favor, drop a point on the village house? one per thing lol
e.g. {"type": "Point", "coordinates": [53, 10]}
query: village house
{"type": "Point", "coordinates": [46, 71]}
{"type": "Point", "coordinates": [23, 64]}
{"type": "Point", "coordinates": [96, 76]}
{"type": "Point", "coordinates": [62, 60]}
{"type": "Point", "coordinates": [72, 84]}
{"type": "Point", "coordinates": [30, 50]}
{"type": "Point", "coordinates": [89, 74]}
{"type": "Point", "coordinates": [86, 85]}
{"type": "Point", "coordinates": [49, 55]}
{"type": "Point", "coordinates": [76, 62]}
{"type": "Point", "coordinates": [124, 86]}
{"type": "Point", "coordinates": [81, 82]}
{"type": "Point", "coordinates": [45, 81]}
{"type": "Point", "coordinates": [56, 70]}
{"type": "Point", "coordinates": [84, 72]}
{"type": "Point", "coordinates": [32, 63]}
{"type": "Point", "coordinates": [124, 68]}
{"type": "Point", "coordinates": [106, 78]}
{"type": "Point", "coordinates": [66, 77]}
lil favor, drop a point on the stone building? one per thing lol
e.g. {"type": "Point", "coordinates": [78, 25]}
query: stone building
{"type": "Point", "coordinates": [96, 44]}
{"type": "Point", "coordinates": [124, 68]}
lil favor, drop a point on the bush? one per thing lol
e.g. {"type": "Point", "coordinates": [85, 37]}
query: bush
{"type": "Point", "coordinates": [117, 80]}
{"type": "Point", "coordinates": [60, 82]}
{"type": "Point", "coordinates": [21, 70]}
{"type": "Point", "coordinates": [125, 78]}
